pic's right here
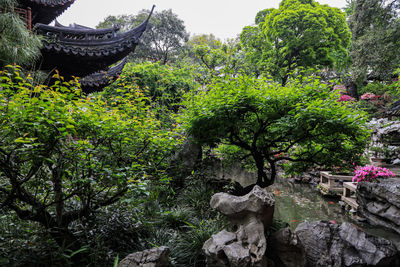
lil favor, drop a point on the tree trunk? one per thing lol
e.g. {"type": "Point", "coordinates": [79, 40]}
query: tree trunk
{"type": "Point", "coordinates": [262, 178]}
{"type": "Point", "coordinates": [284, 80]}
{"type": "Point", "coordinates": [66, 240]}
{"type": "Point", "coordinates": [352, 89]}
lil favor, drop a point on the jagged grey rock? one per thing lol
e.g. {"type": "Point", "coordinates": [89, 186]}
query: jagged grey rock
{"type": "Point", "coordinates": [286, 250]}
{"type": "Point", "coordinates": [379, 203]}
{"type": "Point", "coordinates": [185, 159]}
{"type": "Point", "coordinates": [250, 215]}
{"type": "Point", "coordinates": [155, 257]}
{"type": "Point", "coordinates": [332, 245]}
{"type": "Point", "coordinates": [382, 131]}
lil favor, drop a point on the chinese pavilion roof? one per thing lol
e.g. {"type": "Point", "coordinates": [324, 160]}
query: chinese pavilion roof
{"type": "Point", "coordinates": [45, 11]}
{"type": "Point", "coordinates": [80, 51]}
{"type": "Point", "coordinates": [97, 81]}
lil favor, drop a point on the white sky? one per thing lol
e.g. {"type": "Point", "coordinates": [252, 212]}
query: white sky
{"type": "Point", "coordinates": [223, 18]}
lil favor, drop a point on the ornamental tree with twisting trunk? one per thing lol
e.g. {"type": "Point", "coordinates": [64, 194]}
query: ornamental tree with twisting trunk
{"type": "Point", "coordinates": [301, 124]}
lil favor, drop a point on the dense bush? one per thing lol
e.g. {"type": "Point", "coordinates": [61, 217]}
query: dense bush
{"type": "Point", "coordinates": [64, 156]}
{"type": "Point", "coordinates": [380, 88]}
{"type": "Point", "coordinates": [164, 85]}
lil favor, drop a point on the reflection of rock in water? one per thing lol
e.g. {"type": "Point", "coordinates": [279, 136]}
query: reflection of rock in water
{"type": "Point", "coordinates": [296, 203]}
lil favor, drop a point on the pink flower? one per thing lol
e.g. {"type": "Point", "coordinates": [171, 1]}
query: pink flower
{"type": "Point", "coordinates": [345, 98]}
{"type": "Point", "coordinates": [368, 96]}
{"type": "Point", "coordinates": [371, 173]}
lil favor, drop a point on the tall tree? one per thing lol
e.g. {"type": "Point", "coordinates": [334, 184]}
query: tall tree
{"type": "Point", "coordinates": [300, 33]}
{"type": "Point", "coordinates": [255, 45]}
{"type": "Point", "coordinates": [17, 44]}
{"type": "Point", "coordinates": [375, 27]}
{"type": "Point", "coordinates": [163, 39]}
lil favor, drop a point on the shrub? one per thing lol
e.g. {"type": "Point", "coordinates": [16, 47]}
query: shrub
{"type": "Point", "coordinates": [64, 156]}
{"type": "Point", "coordinates": [345, 98]}
{"type": "Point", "coordinates": [370, 173]}
{"type": "Point", "coordinates": [162, 84]}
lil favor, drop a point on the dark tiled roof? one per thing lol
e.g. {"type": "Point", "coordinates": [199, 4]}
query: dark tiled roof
{"type": "Point", "coordinates": [45, 11]}
{"type": "Point", "coordinates": [81, 51]}
{"type": "Point", "coordinates": [50, 2]}
{"type": "Point", "coordinates": [97, 81]}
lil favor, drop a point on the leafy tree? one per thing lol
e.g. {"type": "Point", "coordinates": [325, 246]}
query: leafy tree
{"type": "Point", "coordinates": [210, 57]}
{"type": "Point", "coordinates": [218, 57]}
{"type": "Point", "coordinates": [17, 44]}
{"type": "Point", "coordinates": [375, 27]}
{"type": "Point", "coordinates": [164, 85]}
{"type": "Point", "coordinates": [300, 33]}
{"type": "Point", "coordinates": [63, 157]}
{"type": "Point", "coordinates": [163, 39]}
{"type": "Point", "coordinates": [206, 40]}
{"type": "Point", "coordinates": [301, 124]}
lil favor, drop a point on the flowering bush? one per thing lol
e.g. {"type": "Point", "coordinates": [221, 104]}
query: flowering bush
{"type": "Point", "coordinates": [370, 173]}
{"type": "Point", "coordinates": [345, 98]}
{"type": "Point", "coordinates": [369, 96]}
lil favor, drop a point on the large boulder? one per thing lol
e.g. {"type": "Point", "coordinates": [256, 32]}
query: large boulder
{"type": "Point", "coordinates": [250, 215]}
{"type": "Point", "coordinates": [285, 249]}
{"type": "Point", "coordinates": [184, 161]}
{"type": "Point", "coordinates": [326, 244]}
{"type": "Point", "coordinates": [379, 203]}
{"type": "Point", "coordinates": [155, 257]}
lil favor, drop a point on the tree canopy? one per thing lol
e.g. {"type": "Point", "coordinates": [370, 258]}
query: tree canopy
{"type": "Point", "coordinates": [163, 39]}
{"type": "Point", "coordinates": [302, 124]}
{"type": "Point", "coordinates": [375, 27]}
{"type": "Point", "coordinates": [63, 156]}
{"type": "Point", "coordinates": [300, 33]}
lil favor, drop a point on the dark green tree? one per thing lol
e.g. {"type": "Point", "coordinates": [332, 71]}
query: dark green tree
{"type": "Point", "coordinates": [17, 44]}
{"type": "Point", "coordinates": [301, 124]}
{"type": "Point", "coordinates": [375, 27]}
{"type": "Point", "coordinates": [162, 41]}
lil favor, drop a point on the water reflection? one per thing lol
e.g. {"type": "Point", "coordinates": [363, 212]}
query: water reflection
{"type": "Point", "coordinates": [296, 203]}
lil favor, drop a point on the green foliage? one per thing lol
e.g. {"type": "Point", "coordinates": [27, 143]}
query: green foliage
{"type": "Point", "coordinates": [368, 107]}
{"type": "Point", "coordinates": [17, 44]}
{"type": "Point", "coordinates": [219, 58]}
{"type": "Point", "coordinates": [256, 48]}
{"type": "Point", "coordinates": [297, 34]}
{"type": "Point", "coordinates": [163, 39]}
{"type": "Point", "coordinates": [188, 249]}
{"type": "Point", "coordinates": [164, 85]}
{"type": "Point", "coordinates": [375, 27]}
{"type": "Point", "coordinates": [380, 88]}
{"type": "Point", "coordinates": [302, 123]}
{"type": "Point", "coordinates": [64, 156]}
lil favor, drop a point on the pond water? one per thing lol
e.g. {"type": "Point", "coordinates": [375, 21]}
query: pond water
{"type": "Point", "coordinates": [296, 203]}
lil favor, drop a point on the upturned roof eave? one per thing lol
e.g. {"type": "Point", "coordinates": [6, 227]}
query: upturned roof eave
{"type": "Point", "coordinates": [67, 38]}
{"type": "Point", "coordinates": [99, 80]}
